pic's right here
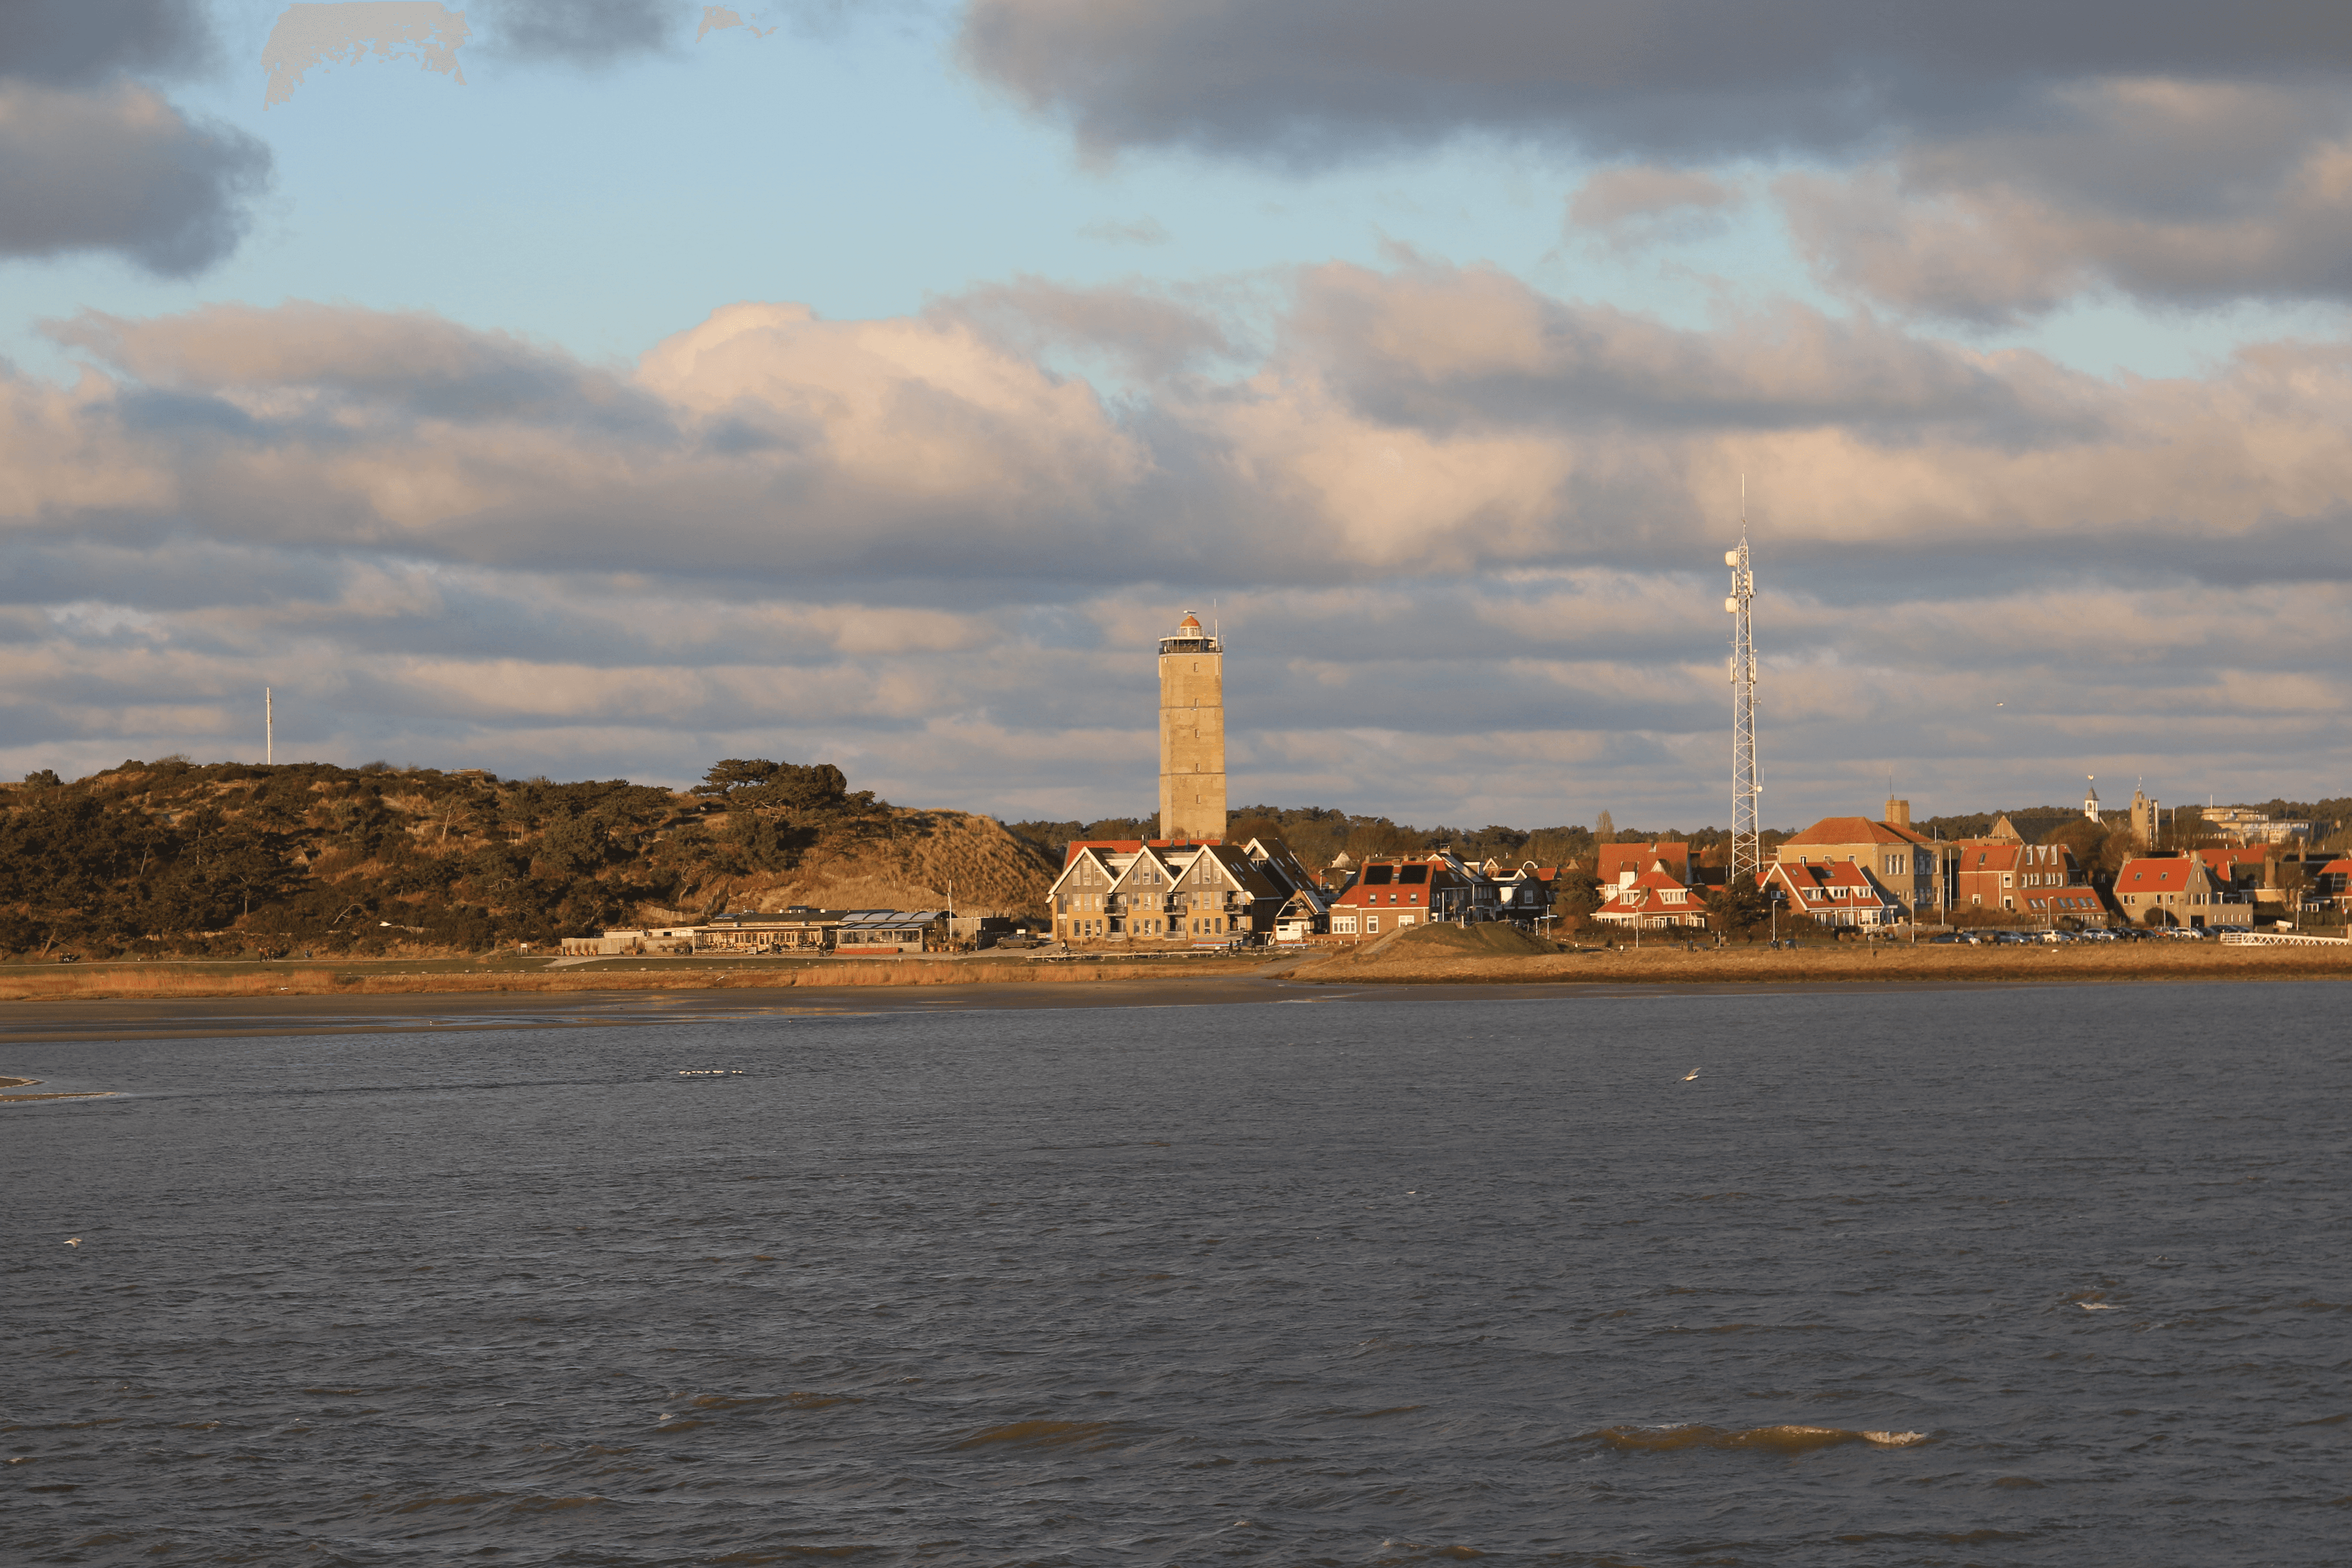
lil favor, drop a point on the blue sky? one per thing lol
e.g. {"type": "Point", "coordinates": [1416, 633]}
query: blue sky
{"type": "Point", "coordinates": [1118, 331]}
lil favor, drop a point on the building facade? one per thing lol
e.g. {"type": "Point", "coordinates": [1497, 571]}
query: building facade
{"type": "Point", "coordinates": [1902, 863]}
{"type": "Point", "coordinates": [2018, 879]}
{"type": "Point", "coordinates": [2177, 890]}
{"type": "Point", "coordinates": [1191, 733]}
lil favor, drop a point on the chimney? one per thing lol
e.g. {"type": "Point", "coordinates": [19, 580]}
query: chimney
{"type": "Point", "coordinates": [1898, 814]}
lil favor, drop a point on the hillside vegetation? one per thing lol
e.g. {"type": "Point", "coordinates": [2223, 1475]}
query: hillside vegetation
{"type": "Point", "coordinates": [171, 857]}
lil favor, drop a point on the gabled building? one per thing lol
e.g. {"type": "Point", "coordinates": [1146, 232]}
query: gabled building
{"type": "Point", "coordinates": [1611, 861]}
{"type": "Point", "coordinates": [1900, 863]}
{"type": "Point", "coordinates": [2017, 878]}
{"type": "Point", "coordinates": [1834, 892]}
{"type": "Point", "coordinates": [1160, 891]}
{"type": "Point", "coordinates": [1651, 898]}
{"type": "Point", "coordinates": [2178, 890]}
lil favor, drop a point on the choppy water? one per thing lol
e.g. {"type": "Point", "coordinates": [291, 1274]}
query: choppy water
{"type": "Point", "coordinates": [1362, 1280]}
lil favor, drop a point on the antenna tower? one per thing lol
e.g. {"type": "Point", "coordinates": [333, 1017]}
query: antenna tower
{"type": "Point", "coordinates": [1747, 845]}
{"type": "Point", "coordinates": [268, 729]}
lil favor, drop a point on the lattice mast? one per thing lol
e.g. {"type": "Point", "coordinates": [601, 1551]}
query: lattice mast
{"type": "Point", "coordinates": [1746, 843]}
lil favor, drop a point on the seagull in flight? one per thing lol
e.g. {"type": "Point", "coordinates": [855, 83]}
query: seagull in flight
{"type": "Point", "coordinates": [73, 1241]}
{"type": "Point", "coordinates": [1690, 1075]}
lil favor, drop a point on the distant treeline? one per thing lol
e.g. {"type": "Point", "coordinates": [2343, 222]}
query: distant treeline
{"type": "Point", "coordinates": [1319, 833]}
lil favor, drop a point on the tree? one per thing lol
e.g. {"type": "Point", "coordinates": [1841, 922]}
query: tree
{"type": "Point", "coordinates": [1576, 892]}
{"type": "Point", "coordinates": [736, 772]}
{"type": "Point", "coordinates": [1604, 831]}
{"type": "Point", "coordinates": [1739, 907]}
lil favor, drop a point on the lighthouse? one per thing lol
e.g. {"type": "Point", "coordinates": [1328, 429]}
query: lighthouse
{"type": "Point", "coordinates": [1192, 733]}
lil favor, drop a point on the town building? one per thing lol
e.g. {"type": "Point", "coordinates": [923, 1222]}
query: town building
{"type": "Point", "coordinates": [1192, 733]}
{"type": "Point", "coordinates": [1390, 893]}
{"type": "Point", "coordinates": [1834, 892]}
{"type": "Point", "coordinates": [2247, 825]}
{"type": "Point", "coordinates": [1651, 897]}
{"type": "Point", "coordinates": [796, 930]}
{"type": "Point", "coordinates": [2142, 822]}
{"type": "Point", "coordinates": [2331, 885]}
{"type": "Point", "coordinates": [879, 933]}
{"type": "Point", "coordinates": [1901, 863]}
{"type": "Point", "coordinates": [2179, 891]}
{"type": "Point", "coordinates": [1610, 861]}
{"type": "Point", "coordinates": [1174, 892]}
{"type": "Point", "coordinates": [1991, 874]}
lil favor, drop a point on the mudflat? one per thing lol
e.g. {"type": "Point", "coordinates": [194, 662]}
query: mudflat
{"type": "Point", "coordinates": [108, 1002]}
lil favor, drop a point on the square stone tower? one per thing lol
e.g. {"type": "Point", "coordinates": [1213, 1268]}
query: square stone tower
{"type": "Point", "coordinates": [1191, 733]}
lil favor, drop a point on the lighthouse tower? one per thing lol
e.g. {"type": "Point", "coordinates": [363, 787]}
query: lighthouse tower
{"type": "Point", "coordinates": [1192, 733]}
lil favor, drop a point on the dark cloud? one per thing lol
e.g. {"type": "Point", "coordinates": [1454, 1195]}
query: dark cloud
{"type": "Point", "coordinates": [77, 43]}
{"type": "Point", "coordinates": [1319, 78]}
{"type": "Point", "coordinates": [581, 32]}
{"type": "Point", "coordinates": [117, 168]}
{"type": "Point", "coordinates": [1984, 162]}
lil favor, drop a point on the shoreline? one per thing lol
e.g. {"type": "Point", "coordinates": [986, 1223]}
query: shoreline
{"type": "Point", "coordinates": [414, 1005]}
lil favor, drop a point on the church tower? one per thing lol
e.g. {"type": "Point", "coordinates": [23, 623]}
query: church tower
{"type": "Point", "coordinates": [1191, 733]}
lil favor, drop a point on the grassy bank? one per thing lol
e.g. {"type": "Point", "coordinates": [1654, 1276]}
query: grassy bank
{"type": "Point", "coordinates": [1438, 961]}
{"type": "Point", "coordinates": [98, 981]}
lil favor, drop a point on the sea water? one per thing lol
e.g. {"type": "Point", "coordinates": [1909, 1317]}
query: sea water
{"type": "Point", "coordinates": [2027, 1275]}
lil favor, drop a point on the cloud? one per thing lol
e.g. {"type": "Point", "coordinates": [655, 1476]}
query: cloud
{"type": "Point", "coordinates": [82, 43]}
{"type": "Point", "coordinates": [92, 161]}
{"type": "Point", "coordinates": [1315, 78]}
{"type": "Point", "coordinates": [584, 33]}
{"type": "Point", "coordinates": [1982, 161]}
{"type": "Point", "coordinates": [2184, 193]}
{"type": "Point", "coordinates": [1449, 520]}
{"type": "Point", "coordinates": [1142, 231]}
{"type": "Point", "coordinates": [1646, 197]}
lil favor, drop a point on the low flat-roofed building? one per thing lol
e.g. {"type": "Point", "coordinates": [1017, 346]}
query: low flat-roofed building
{"type": "Point", "coordinates": [795, 930]}
{"type": "Point", "coordinates": [871, 932]}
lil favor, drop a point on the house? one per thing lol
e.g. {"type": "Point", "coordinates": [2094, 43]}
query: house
{"type": "Point", "coordinates": [2332, 884]}
{"type": "Point", "coordinates": [1172, 891]}
{"type": "Point", "coordinates": [2179, 891]}
{"type": "Point", "coordinates": [1610, 860]}
{"type": "Point", "coordinates": [1901, 864]}
{"type": "Point", "coordinates": [1392, 891]}
{"type": "Point", "coordinates": [1651, 898]}
{"type": "Point", "coordinates": [2250, 871]}
{"type": "Point", "coordinates": [2020, 879]}
{"type": "Point", "coordinates": [1834, 892]}
{"type": "Point", "coordinates": [618, 940]}
{"type": "Point", "coordinates": [864, 932]}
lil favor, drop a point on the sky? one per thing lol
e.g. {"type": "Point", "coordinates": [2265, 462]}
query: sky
{"type": "Point", "coordinates": [599, 388]}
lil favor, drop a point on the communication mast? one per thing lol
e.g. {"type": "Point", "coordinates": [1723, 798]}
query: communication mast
{"type": "Point", "coordinates": [1747, 844]}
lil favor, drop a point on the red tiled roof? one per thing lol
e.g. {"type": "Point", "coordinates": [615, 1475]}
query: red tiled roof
{"type": "Point", "coordinates": [1608, 859]}
{"type": "Point", "coordinates": [1854, 830]}
{"type": "Point", "coordinates": [2169, 876]}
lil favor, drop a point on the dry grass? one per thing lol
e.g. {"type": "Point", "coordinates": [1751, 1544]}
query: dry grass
{"type": "Point", "coordinates": [1745, 965]}
{"type": "Point", "coordinates": [129, 982]}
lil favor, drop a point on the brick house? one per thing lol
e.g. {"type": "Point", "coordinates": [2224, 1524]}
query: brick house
{"type": "Point", "coordinates": [1900, 863]}
{"type": "Point", "coordinates": [1834, 892]}
{"type": "Point", "coordinates": [1389, 893]}
{"type": "Point", "coordinates": [2037, 881]}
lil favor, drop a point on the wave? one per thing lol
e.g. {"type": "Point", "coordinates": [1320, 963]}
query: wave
{"type": "Point", "coordinates": [1039, 1433]}
{"type": "Point", "coordinates": [1772, 1439]}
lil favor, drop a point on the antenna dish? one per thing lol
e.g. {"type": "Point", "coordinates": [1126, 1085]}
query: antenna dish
{"type": "Point", "coordinates": [1731, 558]}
